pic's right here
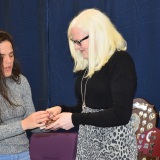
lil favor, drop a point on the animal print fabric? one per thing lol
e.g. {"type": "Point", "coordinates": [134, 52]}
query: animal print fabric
{"type": "Point", "coordinates": [109, 143]}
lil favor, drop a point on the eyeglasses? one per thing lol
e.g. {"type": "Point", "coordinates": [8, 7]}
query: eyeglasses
{"type": "Point", "coordinates": [78, 42]}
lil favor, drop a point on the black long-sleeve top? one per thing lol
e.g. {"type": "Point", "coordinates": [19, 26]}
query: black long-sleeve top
{"type": "Point", "coordinates": [112, 89]}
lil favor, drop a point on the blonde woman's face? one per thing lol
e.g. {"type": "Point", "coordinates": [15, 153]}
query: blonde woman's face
{"type": "Point", "coordinates": [81, 41]}
{"type": "Point", "coordinates": [7, 54]}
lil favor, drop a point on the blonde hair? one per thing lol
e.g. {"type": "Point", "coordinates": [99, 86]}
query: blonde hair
{"type": "Point", "coordinates": [104, 40]}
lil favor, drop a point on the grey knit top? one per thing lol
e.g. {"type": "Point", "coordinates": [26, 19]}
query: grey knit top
{"type": "Point", "coordinates": [13, 138]}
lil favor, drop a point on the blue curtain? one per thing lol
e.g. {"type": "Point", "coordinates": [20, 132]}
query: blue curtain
{"type": "Point", "coordinates": [40, 32]}
{"type": "Point", "coordinates": [26, 20]}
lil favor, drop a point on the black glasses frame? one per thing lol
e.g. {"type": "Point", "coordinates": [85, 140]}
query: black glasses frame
{"type": "Point", "coordinates": [78, 42]}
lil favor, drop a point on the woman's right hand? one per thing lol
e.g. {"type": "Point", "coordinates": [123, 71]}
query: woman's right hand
{"type": "Point", "coordinates": [35, 120]}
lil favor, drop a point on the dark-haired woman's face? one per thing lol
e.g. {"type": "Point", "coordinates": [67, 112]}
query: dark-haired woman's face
{"type": "Point", "coordinates": [7, 54]}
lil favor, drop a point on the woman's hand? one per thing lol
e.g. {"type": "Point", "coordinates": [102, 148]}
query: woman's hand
{"type": "Point", "coordinates": [63, 120]}
{"type": "Point", "coordinates": [54, 111]}
{"type": "Point", "coordinates": [34, 120]}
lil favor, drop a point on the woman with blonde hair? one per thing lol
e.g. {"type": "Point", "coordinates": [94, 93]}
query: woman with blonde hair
{"type": "Point", "coordinates": [105, 87]}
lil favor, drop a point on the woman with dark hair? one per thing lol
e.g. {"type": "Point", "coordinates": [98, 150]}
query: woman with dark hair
{"type": "Point", "coordinates": [17, 112]}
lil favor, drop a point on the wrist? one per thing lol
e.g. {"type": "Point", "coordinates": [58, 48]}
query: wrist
{"type": "Point", "coordinates": [23, 123]}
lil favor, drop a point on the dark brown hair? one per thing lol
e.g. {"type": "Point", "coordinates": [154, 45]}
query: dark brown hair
{"type": "Point", "coordinates": [4, 36]}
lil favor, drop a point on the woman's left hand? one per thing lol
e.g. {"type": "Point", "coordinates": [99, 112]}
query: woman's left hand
{"type": "Point", "coordinates": [63, 120]}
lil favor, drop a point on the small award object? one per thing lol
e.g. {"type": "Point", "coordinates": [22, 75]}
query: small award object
{"type": "Point", "coordinates": [47, 123]}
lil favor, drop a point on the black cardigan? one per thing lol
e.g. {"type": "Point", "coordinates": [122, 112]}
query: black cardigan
{"type": "Point", "coordinates": [112, 89]}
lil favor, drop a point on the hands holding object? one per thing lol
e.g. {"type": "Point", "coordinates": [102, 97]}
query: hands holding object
{"type": "Point", "coordinates": [58, 120]}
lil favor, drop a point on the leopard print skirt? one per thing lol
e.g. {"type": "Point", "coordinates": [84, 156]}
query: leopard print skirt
{"type": "Point", "coordinates": [109, 143]}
